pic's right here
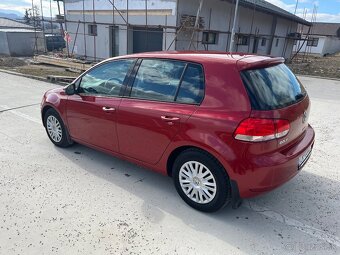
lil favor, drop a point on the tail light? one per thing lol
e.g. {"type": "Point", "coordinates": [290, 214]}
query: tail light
{"type": "Point", "coordinates": [259, 130]}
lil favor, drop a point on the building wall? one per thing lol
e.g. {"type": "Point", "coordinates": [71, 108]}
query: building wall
{"type": "Point", "coordinates": [159, 13]}
{"type": "Point", "coordinates": [4, 50]}
{"type": "Point", "coordinates": [217, 15]}
{"type": "Point", "coordinates": [313, 50]}
{"type": "Point", "coordinates": [249, 22]}
{"type": "Point", "coordinates": [20, 44]}
{"type": "Point", "coordinates": [332, 45]}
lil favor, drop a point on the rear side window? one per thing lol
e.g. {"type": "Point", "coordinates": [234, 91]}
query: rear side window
{"type": "Point", "coordinates": [272, 87]}
{"type": "Point", "coordinates": [192, 85]}
{"type": "Point", "coordinates": [157, 79]}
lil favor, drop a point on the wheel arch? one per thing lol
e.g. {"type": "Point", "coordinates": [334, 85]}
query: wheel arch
{"type": "Point", "coordinates": [44, 110]}
{"type": "Point", "coordinates": [236, 200]}
{"type": "Point", "coordinates": [177, 151]}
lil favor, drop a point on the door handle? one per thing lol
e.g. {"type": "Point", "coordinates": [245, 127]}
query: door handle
{"type": "Point", "coordinates": [108, 109]}
{"type": "Point", "coordinates": [169, 118]}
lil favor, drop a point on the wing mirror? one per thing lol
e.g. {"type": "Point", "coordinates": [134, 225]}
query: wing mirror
{"type": "Point", "coordinates": [70, 89]}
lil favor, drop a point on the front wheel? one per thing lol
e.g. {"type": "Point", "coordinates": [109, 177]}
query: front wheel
{"type": "Point", "coordinates": [55, 129]}
{"type": "Point", "coordinates": [201, 180]}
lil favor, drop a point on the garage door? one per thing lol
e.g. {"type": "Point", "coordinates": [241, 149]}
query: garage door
{"type": "Point", "coordinates": [147, 39]}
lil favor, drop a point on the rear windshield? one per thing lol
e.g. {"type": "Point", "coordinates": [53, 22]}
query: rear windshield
{"type": "Point", "coordinates": [272, 87]}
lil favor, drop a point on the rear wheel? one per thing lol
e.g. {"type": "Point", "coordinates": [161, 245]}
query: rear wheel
{"type": "Point", "coordinates": [55, 129]}
{"type": "Point", "coordinates": [201, 180]}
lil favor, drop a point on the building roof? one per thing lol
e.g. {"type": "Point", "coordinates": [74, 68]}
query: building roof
{"type": "Point", "coordinates": [324, 29]}
{"type": "Point", "coordinates": [273, 9]}
{"type": "Point", "coordinates": [18, 30]}
{"type": "Point", "coordinates": [10, 23]}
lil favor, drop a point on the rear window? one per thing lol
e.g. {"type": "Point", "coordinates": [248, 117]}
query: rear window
{"type": "Point", "coordinates": [272, 87]}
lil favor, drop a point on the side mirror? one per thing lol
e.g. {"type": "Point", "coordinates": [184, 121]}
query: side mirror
{"type": "Point", "coordinates": [70, 89]}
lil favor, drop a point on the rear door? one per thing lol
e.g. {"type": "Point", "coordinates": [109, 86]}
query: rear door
{"type": "Point", "coordinates": [275, 92]}
{"type": "Point", "coordinates": [162, 95]}
{"type": "Point", "coordinates": [91, 112]}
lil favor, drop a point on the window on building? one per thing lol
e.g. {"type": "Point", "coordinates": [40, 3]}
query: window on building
{"type": "Point", "coordinates": [243, 40]}
{"type": "Point", "coordinates": [263, 42]}
{"type": "Point", "coordinates": [209, 38]}
{"type": "Point", "coordinates": [277, 42]}
{"type": "Point", "coordinates": [313, 42]}
{"type": "Point", "coordinates": [92, 29]}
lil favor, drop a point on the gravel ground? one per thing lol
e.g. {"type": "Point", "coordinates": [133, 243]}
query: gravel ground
{"type": "Point", "coordinates": [328, 66]}
{"type": "Point", "coordinates": [80, 201]}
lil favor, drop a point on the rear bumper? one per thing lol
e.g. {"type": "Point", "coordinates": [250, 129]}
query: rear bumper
{"type": "Point", "coordinates": [271, 171]}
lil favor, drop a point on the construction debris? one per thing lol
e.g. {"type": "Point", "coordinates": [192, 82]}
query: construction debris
{"type": "Point", "coordinates": [56, 78]}
{"type": "Point", "coordinates": [62, 62]}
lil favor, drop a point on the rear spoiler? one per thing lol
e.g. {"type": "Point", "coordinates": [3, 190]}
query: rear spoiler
{"type": "Point", "coordinates": [257, 62]}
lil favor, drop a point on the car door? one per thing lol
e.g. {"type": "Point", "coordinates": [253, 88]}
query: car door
{"type": "Point", "coordinates": [157, 102]}
{"type": "Point", "coordinates": [91, 112]}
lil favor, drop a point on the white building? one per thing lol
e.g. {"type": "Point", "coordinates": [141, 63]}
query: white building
{"type": "Point", "coordinates": [321, 39]}
{"type": "Point", "coordinates": [104, 28]}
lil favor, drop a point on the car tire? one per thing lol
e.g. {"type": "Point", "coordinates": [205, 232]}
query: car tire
{"type": "Point", "coordinates": [201, 180]}
{"type": "Point", "coordinates": [56, 130]}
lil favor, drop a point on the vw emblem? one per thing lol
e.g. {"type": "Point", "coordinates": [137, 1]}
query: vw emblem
{"type": "Point", "coordinates": [304, 116]}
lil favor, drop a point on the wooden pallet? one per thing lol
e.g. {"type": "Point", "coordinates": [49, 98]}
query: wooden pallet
{"type": "Point", "coordinates": [67, 63]}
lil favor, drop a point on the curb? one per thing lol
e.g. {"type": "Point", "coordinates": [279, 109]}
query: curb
{"type": "Point", "coordinates": [39, 78]}
{"type": "Point", "coordinates": [317, 77]}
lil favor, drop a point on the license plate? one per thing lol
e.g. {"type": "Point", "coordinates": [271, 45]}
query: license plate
{"type": "Point", "coordinates": [304, 158]}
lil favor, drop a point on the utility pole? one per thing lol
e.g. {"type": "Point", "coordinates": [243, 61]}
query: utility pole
{"type": "Point", "coordinates": [233, 29]}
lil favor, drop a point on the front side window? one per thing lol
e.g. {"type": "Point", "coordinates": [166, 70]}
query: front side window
{"type": "Point", "coordinates": [106, 79]}
{"type": "Point", "coordinates": [157, 79]}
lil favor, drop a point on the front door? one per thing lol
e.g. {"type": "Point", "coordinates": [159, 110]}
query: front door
{"type": "Point", "coordinates": [159, 101]}
{"type": "Point", "coordinates": [91, 113]}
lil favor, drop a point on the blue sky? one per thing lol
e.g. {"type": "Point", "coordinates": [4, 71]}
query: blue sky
{"type": "Point", "coordinates": [328, 10]}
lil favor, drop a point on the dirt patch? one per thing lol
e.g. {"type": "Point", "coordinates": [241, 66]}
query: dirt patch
{"type": "Point", "coordinates": [328, 67]}
{"type": "Point", "coordinates": [12, 62]}
{"type": "Point", "coordinates": [26, 66]}
{"type": "Point", "coordinates": [44, 71]}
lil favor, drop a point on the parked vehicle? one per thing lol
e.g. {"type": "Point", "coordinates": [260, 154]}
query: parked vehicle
{"type": "Point", "coordinates": [55, 42]}
{"type": "Point", "coordinates": [223, 127]}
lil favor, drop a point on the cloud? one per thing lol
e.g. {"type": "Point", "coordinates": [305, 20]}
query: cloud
{"type": "Point", "coordinates": [321, 17]}
{"type": "Point", "coordinates": [21, 5]}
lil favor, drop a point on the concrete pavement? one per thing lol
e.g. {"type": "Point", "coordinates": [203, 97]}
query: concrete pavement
{"type": "Point", "coordinates": [80, 201]}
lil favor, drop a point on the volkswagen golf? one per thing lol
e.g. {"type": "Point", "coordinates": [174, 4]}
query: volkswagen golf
{"type": "Point", "coordinates": [224, 126]}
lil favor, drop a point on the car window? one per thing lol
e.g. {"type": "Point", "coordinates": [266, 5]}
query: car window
{"type": "Point", "coordinates": [192, 86]}
{"type": "Point", "coordinates": [157, 79]}
{"type": "Point", "coordinates": [272, 87]}
{"type": "Point", "coordinates": [106, 79]}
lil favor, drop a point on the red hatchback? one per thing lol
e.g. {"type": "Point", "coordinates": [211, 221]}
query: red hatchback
{"type": "Point", "coordinates": [225, 127]}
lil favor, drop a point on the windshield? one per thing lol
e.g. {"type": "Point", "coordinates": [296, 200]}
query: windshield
{"type": "Point", "coordinates": [272, 87]}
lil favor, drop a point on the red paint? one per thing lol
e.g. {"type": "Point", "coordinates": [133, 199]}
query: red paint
{"type": "Point", "coordinates": [147, 132]}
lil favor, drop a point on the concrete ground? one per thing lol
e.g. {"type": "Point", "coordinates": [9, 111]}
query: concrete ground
{"type": "Point", "coordinates": [80, 201]}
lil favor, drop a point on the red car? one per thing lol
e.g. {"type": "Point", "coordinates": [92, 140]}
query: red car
{"type": "Point", "coordinates": [224, 127]}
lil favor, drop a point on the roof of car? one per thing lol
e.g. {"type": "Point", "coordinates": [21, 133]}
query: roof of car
{"type": "Point", "coordinates": [242, 60]}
